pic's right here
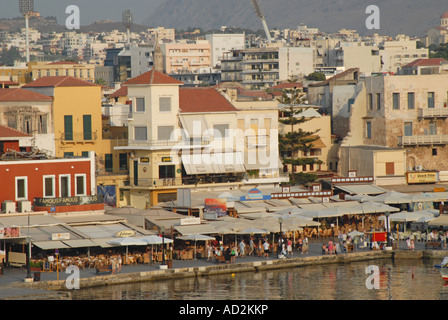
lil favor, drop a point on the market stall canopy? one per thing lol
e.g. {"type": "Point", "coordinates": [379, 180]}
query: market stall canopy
{"type": "Point", "coordinates": [204, 228]}
{"type": "Point", "coordinates": [393, 197]}
{"type": "Point", "coordinates": [50, 245]}
{"type": "Point", "coordinates": [252, 230]}
{"type": "Point", "coordinates": [355, 233]}
{"type": "Point", "coordinates": [372, 207]}
{"type": "Point", "coordinates": [442, 220]}
{"type": "Point", "coordinates": [360, 189]}
{"type": "Point", "coordinates": [403, 216]}
{"type": "Point", "coordinates": [127, 241]}
{"type": "Point", "coordinates": [196, 237]}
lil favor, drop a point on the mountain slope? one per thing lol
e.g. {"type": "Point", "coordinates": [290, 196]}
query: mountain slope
{"type": "Point", "coordinates": [411, 17]}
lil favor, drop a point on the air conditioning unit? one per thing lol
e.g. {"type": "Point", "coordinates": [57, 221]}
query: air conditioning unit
{"type": "Point", "coordinates": [418, 168]}
{"type": "Point", "coordinates": [24, 206]}
{"type": "Point", "coordinates": [8, 206]}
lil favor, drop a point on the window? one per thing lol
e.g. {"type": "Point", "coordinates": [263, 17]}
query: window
{"type": "Point", "coordinates": [42, 124]}
{"type": "Point", "coordinates": [164, 132]}
{"type": "Point", "coordinates": [434, 151]}
{"type": "Point", "coordinates": [368, 130]}
{"type": "Point", "coordinates": [350, 102]}
{"type": "Point", "coordinates": [123, 161]}
{"type": "Point", "coordinates": [68, 154]}
{"type": "Point", "coordinates": [64, 186]}
{"type": "Point", "coordinates": [411, 100]}
{"type": "Point", "coordinates": [378, 101]}
{"type": "Point", "coordinates": [165, 104]}
{"type": "Point", "coordinates": [167, 172]}
{"type": "Point", "coordinates": [49, 186]}
{"type": "Point", "coordinates": [68, 127]}
{"type": "Point", "coordinates": [108, 162]}
{"type": "Point", "coordinates": [221, 130]}
{"type": "Point", "coordinates": [432, 128]}
{"type": "Point", "coordinates": [396, 101]}
{"type": "Point", "coordinates": [370, 101]}
{"type": "Point", "coordinates": [21, 188]}
{"type": "Point", "coordinates": [80, 185]}
{"type": "Point", "coordinates": [408, 129]}
{"type": "Point", "coordinates": [390, 168]}
{"type": "Point", "coordinates": [87, 126]}
{"type": "Point", "coordinates": [140, 105]}
{"type": "Point", "coordinates": [85, 154]}
{"type": "Point", "coordinates": [430, 99]}
{"type": "Point", "coordinates": [140, 133]}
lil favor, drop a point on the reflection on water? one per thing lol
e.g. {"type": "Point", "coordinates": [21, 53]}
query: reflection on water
{"type": "Point", "coordinates": [399, 280]}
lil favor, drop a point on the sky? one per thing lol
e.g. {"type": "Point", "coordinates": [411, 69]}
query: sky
{"type": "Point", "coordinates": [90, 10]}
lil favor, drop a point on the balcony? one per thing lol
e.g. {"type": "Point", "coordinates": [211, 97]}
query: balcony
{"type": "Point", "coordinates": [423, 140]}
{"type": "Point", "coordinates": [433, 113]}
{"type": "Point", "coordinates": [159, 144]}
{"type": "Point", "coordinates": [78, 137]}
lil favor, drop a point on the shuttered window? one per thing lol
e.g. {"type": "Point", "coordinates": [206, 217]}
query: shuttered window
{"type": "Point", "coordinates": [140, 133]}
{"type": "Point", "coordinates": [68, 127]}
{"type": "Point", "coordinates": [87, 125]}
{"type": "Point", "coordinates": [390, 168]}
{"type": "Point", "coordinates": [165, 104]}
{"type": "Point", "coordinates": [164, 132]}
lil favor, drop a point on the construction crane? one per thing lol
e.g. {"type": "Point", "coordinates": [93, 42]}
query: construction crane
{"type": "Point", "coordinates": [260, 15]}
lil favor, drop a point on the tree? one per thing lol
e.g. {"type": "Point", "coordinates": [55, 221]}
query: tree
{"type": "Point", "coordinates": [7, 57]}
{"type": "Point", "coordinates": [440, 51]}
{"type": "Point", "coordinates": [296, 140]}
{"type": "Point", "coordinates": [316, 76]}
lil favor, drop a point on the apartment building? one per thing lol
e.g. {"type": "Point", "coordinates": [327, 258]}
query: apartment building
{"type": "Point", "coordinates": [264, 67]}
{"type": "Point", "coordinates": [80, 71]}
{"type": "Point", "coordinates": [224, 42]}
{"type": "Point", "coordinates": [186, 56]}
{"type": "Point", "coordinates": [356, 55]}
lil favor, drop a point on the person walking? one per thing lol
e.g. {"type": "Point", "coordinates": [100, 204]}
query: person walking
{"type": "Point", "coordinates": [305, 245]}
{"type": "Point", "coordinates": [289, 247]}
{"type": "Point", "coordinates": [266, 249]}
{"type": "Point", "coordinates": [242, 247]}
{"type": "Point", "coordinates": [251, 245]}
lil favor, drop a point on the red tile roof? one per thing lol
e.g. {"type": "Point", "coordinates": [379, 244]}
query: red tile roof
{"type": "Point", "coordinates": [203, 100]}
{"type": "Point", "coordinates": [426, 62]}
{"type": "Point", "coordinates": [122, 92]}
{"type": "Point", "coordinates": [59, 81]}
{"type": "Point", "coordinates": [17, 94]}
{"type": "Point", "coordinates": [288, 85]}
{"type": "Point", "coordinates": [153, 77]}
{"type": "Point", "coordinates": [7, 132]}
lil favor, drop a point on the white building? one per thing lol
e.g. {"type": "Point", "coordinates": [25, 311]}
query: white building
{"type": "Point", "coordinates": [225, 42]}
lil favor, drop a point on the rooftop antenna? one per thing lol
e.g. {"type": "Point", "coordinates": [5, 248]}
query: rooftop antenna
{"type": "Point", "coordinates": [26, 7]}
{"type": "Point", "coordinates": [128, 21]}
{"type": "Point", "coordinates": [260, 15]}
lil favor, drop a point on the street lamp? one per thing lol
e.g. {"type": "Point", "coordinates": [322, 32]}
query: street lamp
{"type": "Point", "coordinates": [28, 256]}
{"type": "Point", "coordinates": [128, 21]}
{"type": "Point", "coordinates": [26, 7]}
{"type": "Point", "coordinates": [280, 221]}
{"type": "Point", "coordinates": [162, 230]}
{"type": "Point", "coordinates": [387, 214]}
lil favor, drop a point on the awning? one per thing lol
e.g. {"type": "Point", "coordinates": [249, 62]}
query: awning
{"type": "Point", "coordinates": [215, 163]}
{"type": "Point", "coordinates": [365, 189]}
{"type": "Point", "coordinates": [81, 243]}
{"type": "Point", "coordinates": [442, 220]}
{"type": "Point", "coordinates": [49, 245]}
{"type": "Point", "coordinates": [199, 228]}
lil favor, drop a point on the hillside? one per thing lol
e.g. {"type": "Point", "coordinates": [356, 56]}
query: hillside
{"type": "Point", "coordinates": [411, 17]}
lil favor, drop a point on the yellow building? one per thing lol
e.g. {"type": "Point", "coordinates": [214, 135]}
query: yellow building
{"type": "Point", "coordinates": [77, 119]}
{"type": "Point", "coordinates": [62, 68]}
{"type": "Point", "coordinates": [19, 73]}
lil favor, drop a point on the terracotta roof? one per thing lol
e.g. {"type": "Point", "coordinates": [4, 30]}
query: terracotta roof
{"type": "Point", "coordinates": [444, 15]}
{"type": "Point", "coordinates": [203, 100]}
{"type": "Point", "coordinates": [59, 81]}
{"type": "Point", "coordinates": [17, 94]}
{"type": "Point", "coordinates": [122, 92]}
{"type": "Point", "coordinates": [288, 85]}
{"type": "Point", "coordinates": [426, 62]}
{"type": "Point", "coordinates": [335, 77]}
{"type": "Point", "coordinates": [7, 132]}
{"type": "Point", "coordinates": [8, 83]}
{"type": "Point", "coordinates": [153, 77]}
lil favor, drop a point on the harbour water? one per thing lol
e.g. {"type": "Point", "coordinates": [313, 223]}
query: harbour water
{"type": "Point", "coordinates": [402, 279]}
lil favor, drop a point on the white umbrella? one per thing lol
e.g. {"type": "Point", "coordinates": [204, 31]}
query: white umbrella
{"type": "Point", "coordinates": [196, 237]}
{"type": "Point", "coordinates": [127, 241]}
{"type": "Point", "coordinates": [393, 197]}
{"type": "Point", "coordinates": [355, 233]}
{"type": "Point", "coordinates": [155, 239]}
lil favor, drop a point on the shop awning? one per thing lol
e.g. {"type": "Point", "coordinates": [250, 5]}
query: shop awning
{"type": "Point", "coordinates": [49, 245]}
{"type": "Point", "coordinates": [442, 220]}
{"type": "Point", "coordinates": [197, 229]}
{"type": "Point", "coordinates": [215, 163]}
{"type": "Point", "coordinates": [81, 243]}
{"type": "Point", "coordinates": [365, 189]}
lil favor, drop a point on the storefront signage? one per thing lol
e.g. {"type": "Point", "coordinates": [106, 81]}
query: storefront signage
{"type": "Point", "coordinates": [421, 177]}
{"type": "Point", "coordinates": [13, 232]}
{"type": "Point", "coordinates": [144, 160]}
{"type": "Point", "coordinates": [166, 159]}
{"type": "Point", "coordinates": [305, 194]}
{"type": "Point", "coordinates": [69, 201]}
{"type": "Point", "coordinates": [60, 236]}
{"type": "Point", "coordinates": [352, 180]}
{"type": "Point", "coordinates": [190, 221]}
{"type": "Point", "coordinates": [125, 233]}
{"type": "Point", "coordinates": [255, 194]}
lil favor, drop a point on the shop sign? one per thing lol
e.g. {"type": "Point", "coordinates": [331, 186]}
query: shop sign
{"type": "Point", "coordinates": [144, 160]}
{"type": "Point", "coordinates": [217, 207]}
{"type": "Point", "coordinates": [68, 201]}
{"type": "Point", "coordinates": [190, 221]}
{"type": "Point", "coordinates": [421, 177]}
{"type": "Point", "coordinates": [166, 159]}
{"type": "Point", "coordinates": [125, 233]}
{"type": "Point", "coordinates": [9, 232]}
{"type": "Point", "coordinates": [255, 194]}
{"type": "Point", "coordinates": [60, 236]}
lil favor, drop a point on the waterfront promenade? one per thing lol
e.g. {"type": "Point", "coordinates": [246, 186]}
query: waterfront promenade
{"type": "Point", "coordinates": [12, 284]}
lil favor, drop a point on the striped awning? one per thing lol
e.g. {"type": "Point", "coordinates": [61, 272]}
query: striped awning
{"type": "Point", "coordinates": [50, 245]}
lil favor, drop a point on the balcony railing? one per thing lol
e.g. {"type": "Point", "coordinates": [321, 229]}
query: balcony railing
{"type": "Point", "coordinates": [433, 113]}
{"type": "Point", "coordinates": [423, 140]}
{"type": "Point", "coordinates": [79, 137]}
{"type": "Point", "coordinates": [161, 143]}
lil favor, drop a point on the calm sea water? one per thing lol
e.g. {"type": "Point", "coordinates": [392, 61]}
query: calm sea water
{"type": "Point", "coordinates": [399, 280]}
